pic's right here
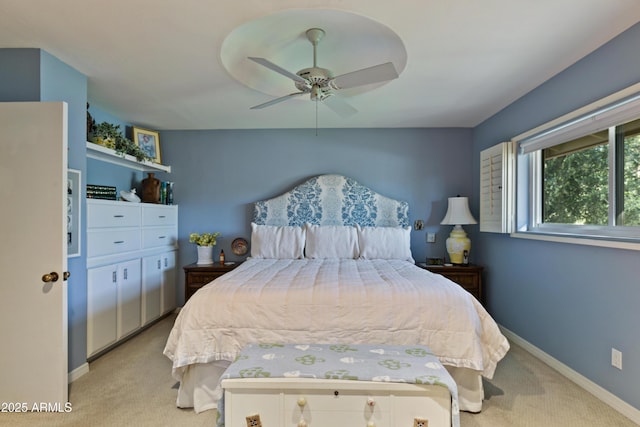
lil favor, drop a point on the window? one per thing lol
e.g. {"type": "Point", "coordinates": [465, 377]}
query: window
{"type": "Point", "coordinates": [628, 213]}
{"type": "Point", "coordinates": [581, 173]}
{"type": "Point", "coordinates": [575, 181]}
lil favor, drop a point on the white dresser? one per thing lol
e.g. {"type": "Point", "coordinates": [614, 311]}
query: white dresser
{"type": "Point", "coordinates": [131, 262]}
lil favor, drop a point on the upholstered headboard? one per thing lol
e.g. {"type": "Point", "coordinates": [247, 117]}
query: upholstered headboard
{"type": "Point", "coordinates": [332, 200]}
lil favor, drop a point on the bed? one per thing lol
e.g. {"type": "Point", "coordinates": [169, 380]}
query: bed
{"type": "Point", "coordinates": [331, 263]}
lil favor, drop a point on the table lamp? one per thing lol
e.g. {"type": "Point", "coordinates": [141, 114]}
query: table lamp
{"type": "Point", "coordinates": [458, 214]}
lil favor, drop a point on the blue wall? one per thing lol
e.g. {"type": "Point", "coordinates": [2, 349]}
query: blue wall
{"type": "Point", "coordinates": [35, 75]}
{"type": "Point", "coordinates": [573, 302]}
{"type": "Point", "coordinates": [219, 174]}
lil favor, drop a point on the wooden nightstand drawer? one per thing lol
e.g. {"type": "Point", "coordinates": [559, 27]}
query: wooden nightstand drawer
{"type": "Point", "coordinates": [469, 277]}
{"type": "Point", "coordinates": [196, 276]}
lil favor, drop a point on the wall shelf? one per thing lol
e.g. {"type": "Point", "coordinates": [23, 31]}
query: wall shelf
{"type": "Point", "coordinates": [98, 152]}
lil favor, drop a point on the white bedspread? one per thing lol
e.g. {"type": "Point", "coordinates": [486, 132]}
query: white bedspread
{"type": "Point", "coordinates": [334, 301]}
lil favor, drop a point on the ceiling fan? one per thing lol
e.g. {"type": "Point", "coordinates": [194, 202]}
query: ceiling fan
{"type": "Point", "coordinates": [321, 84]}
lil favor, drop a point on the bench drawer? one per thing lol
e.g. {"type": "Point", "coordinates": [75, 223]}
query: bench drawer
{"type": "Point", "coordinates": [336, 403]}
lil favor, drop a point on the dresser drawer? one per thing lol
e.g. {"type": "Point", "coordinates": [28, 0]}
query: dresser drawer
{"type": "Point", "coordinates": [109, 241]}
{"type": "Point", "coordinates": [158, 236]}
{"type": "Point", "coordinates": [114, 214]}
{"type": "Point", "coordinates": [159, 215]}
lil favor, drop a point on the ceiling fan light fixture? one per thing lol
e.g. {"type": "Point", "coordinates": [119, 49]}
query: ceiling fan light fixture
{"type": "Point", "coordinates": [320, 83]}
{"type": "Point", "coordinates": [316, 93]}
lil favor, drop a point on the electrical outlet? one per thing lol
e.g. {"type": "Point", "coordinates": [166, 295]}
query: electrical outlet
{"type": "Point", "coordinates": [431, 237]}
{"type": "Point", "coordinates": [616, 358]}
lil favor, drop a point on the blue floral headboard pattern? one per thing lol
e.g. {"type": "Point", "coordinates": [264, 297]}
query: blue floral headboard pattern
{"type": "Point", "coordinates": [332, 200]}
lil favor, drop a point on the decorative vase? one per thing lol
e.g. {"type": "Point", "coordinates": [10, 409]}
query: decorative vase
{"type": "Point", "coordinates": [151, 189]}
{"type": "Point", "coordinates": [205, 255]}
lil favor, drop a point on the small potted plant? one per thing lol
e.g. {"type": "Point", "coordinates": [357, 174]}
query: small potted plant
{"type": "Point", "coordinates": [105, 134]}
{"type": "Point", "coordinates": [109, 135]}
{"type": "Point", "coordinates": [205, 242]}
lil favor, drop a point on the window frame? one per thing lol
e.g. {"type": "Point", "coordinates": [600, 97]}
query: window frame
{"type": "Point", "coordinates": [528, 175]}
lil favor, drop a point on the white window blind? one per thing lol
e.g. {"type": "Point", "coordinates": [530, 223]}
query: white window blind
{"type": "Point", "coordinates": [496, 188]}
{"type": "Point", "coordinates": [600, 118]}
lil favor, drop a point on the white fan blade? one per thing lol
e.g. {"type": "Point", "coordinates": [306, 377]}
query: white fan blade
{"type": "Point", "coordinates": [365, 76]}
{"type": "Point", "coordinates": [339, 106]}
{"type": "Point", "coordinates": [277, 100]}
{"type": "Point", "coordinates": [270, 65]}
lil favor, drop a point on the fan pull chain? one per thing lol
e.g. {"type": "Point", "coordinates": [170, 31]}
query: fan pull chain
{"type": "Point", "coordinates": [316, 117]}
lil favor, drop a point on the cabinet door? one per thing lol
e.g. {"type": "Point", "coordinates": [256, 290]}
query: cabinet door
{"type": "Point", "coordinates": [129, 297]}
{"type": "Point", "coordinates": [102, 294]}
{"type": "Point", "coordinates": [151, 288]}
{"type": "Point", "coordinates": [168, 281]}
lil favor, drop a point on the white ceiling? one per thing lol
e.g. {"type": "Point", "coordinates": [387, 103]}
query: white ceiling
{"type": "Point", "coordinates": [158, 63]}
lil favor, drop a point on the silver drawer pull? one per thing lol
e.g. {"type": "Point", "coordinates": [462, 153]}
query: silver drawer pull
{"type": "Point", "coordinates": [118, 216]}
{"type": "Point", "coordinates": [118, 242]}
{"type": "Point", "coordinates": [162, 237]}
{"type": "Point", "coordinates": [162, 216]}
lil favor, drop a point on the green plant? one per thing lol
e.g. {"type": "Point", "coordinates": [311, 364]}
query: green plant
{"type": "Point", "coordinates": [204, 239]}
{"type": "Point", "coordinates": [121, 144]}
{"type": "Point", "coordinates": [106, 130]}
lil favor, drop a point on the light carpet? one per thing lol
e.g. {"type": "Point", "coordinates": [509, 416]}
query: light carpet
{"type": "Point", "coordinates": [132, 385]}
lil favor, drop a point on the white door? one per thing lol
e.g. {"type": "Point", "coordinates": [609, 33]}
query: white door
{"type": "Point", "coordinates": [33, 312]}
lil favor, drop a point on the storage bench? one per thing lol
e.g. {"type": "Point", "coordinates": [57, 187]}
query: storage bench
{"type": "Point", "coordinates": [337, 386]}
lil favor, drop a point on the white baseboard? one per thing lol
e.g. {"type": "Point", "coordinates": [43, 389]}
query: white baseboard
{"type": "Point", "coordinates": [78, 372]}
{"type": "Point", "coordinates": [606, 396]}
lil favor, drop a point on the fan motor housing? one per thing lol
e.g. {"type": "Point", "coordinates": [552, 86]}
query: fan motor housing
{"type": "Point", "coordinates": [314, 75]}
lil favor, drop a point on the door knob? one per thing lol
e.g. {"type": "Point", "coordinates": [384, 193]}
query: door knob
{"type": "Point", "coordinates": [66, 275]}
{"type": "Point", "coordinates": [51, 277]}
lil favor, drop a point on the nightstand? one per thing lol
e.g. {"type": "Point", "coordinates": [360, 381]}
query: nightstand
{"type": "Point", "coordinates": [467, 276]}
{"type": "Point", "coordinates": [198, 275]}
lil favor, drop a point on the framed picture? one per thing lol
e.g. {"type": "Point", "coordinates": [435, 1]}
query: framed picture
{"type": "Point", "coordinates": [149, 142]}
{"type": "Point", "coordinates": [73, 213]}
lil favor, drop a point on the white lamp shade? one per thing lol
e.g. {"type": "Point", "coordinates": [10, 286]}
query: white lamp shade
{"type": "Point", "coordinates": [458, 212]}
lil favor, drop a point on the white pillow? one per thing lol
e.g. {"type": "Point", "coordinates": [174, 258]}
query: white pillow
{"type": "Point", "coordinates": [385, 243]}
{"type": "Point", "coordinates": [279, 242]}
{"type": "Point", "coordinates": [331, 241]}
